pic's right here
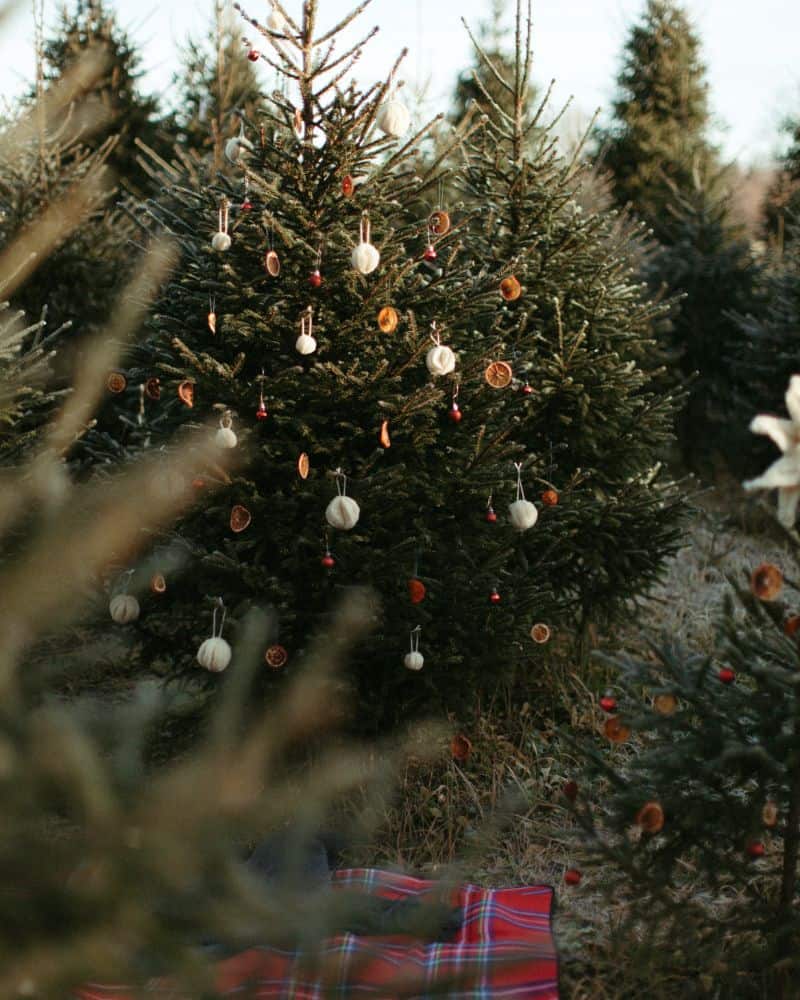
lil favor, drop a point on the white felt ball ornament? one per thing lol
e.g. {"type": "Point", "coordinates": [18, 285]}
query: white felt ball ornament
{"type": "Point", "coordinates": [124, 608]}
{"type": "Point", "coordinates": [394, 118]}
{"type": "Point", "coordinates": [342, 512]}
{"type": "Point", "coordinates": [414, 661]}
{"type": "Point", "coordinates": [365, 257]}
{"type": "Point", "coordinates": [221, 241]}
{"type": "Point", "coordinates": [214, 654]}
{"type": "Point", "coordinates": [225, 436]}
{"type": "Point", "coordinates": [236, 146]}
{"type": "Point", "coordinates": [305, 344]}
{"type": "Point", "coordinates": [522, 513]}
{"type": "Point", "coordinates": [440, 360]}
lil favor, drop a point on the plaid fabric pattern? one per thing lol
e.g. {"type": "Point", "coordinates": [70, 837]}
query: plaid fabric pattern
{"type": "Point", "coordinates": [504, 949]}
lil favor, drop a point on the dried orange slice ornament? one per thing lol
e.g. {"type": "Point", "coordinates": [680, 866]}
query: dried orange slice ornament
{"type": "Point", "coordinates": [388, 319]}
{"type": "Point", "coordinates": [439, 223]}
{"type": "Point", "coordinates": [499, 374]}
{"type": "Point", "coordinates": [766, 582]}
{"type": "Point", "coordinates": [616, 730]}
{"type": "Point", "coordinates": [116, 382]}
{"type": "Point", "coordinates": [272, 264]}
{"type": "Point", "coordinates": [665, 704]}
{"type": "Point", "coordinates": [383, 437]}
{"type": "Point", "coordinates": [650, 818]}
{"type": "Point", "coordinates": [510, 289]}
{"type": "Point", "coordinates": [153, 388]}
{"type": "Point", "coordinates": [460, 747]}
{"type": "Point", "coordinates": [276, 657]}
{"type": "Point", "coordinates": [186, 393]}
{"type": "Point", "coordinates": [540, 633]}
{"type": "Point", "coordinates": [303, 466]}
{"type": "Point", "coordinates": [240, 518]}
{"type": "Point", "coordinates": [158, 584]}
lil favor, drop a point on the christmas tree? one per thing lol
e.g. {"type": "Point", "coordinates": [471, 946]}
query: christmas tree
{"type": "Point", "coordinates": [783, 198]}
{"type": "Point", "coordinates": [399, 382]}
{"type": "Point", "coordinates": [665, 170]}
{"type": "Point", "coordinates": [485, 83]}
{"type": "Point", "coordinates": [216, 88]}
{"type": "Point", "coordinates": [128, 115]}
{"type": "Point", "coordinates": [697, 827]}
{"type": "Point", "coordinates": [659, 134]}
{"type": "Point", "coordinates": [709, 263]}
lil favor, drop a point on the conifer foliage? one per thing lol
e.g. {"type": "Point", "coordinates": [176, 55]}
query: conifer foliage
{"type": "Point", "coordinates": [658, 136]}
{"type": "Point", "coordinates": [115, 97]}
{"type": "Point", "coordinates": [697, 828]}
{"type": "Point", "coordinates": [458, 375]}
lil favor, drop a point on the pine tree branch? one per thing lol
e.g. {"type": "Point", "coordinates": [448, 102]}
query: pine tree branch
{"type": "Point", "coordinates": [487, 60]}
{"type": "Point", "coordinates": [336, 29]}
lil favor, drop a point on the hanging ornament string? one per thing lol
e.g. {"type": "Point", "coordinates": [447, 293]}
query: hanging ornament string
{"type": "Point", "coordinates": [365, 228]}
{"type": "Point", "coordinates": [223, 214]}
{"type": "Point", "coordinates": [341, 483]}
{"type": "Point", "coordinates": [435, 337]}
{"type": "Point", "coordinates": [219, 605]}
{"type": "Point", "coordinates": [415, 637]}
{"type": "Point", "coordinates": [520, 489]}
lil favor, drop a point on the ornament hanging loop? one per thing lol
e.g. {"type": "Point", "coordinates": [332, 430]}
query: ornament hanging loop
{"type": "Point", "coordinates": [520, 490]}
{"type": "Point", "coordinates": [435, 336]}
{"type": "Point", "coordinates": [341, 483]}
{"type": "Point", "coordinates": [226, 420]}
{"type": "Point", "coordinates": [365, 228]}
{"type": "Point", "coordinates": [415, 637]}
{"type": "Point", "coordinates": [224, 207]}
{"type": "Point", "coordinates": [219, 606]}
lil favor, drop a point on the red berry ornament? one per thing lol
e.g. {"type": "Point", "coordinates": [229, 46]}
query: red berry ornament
{"type": "Point", "coordinates": [726, 675]}
{"type": "Point", "coordinates": [570, 790]}
{"type": "Point", "coordinates": [430, 252]}
{"type": "Point", "coordinates": [247, 205]}
{"type": "Point", "coordinates": [454, 413]}
{"type": "Point", "coordinates": [261, 412]}
{"type": "Point", "coordinates": [416, 590]}
{"type": "Point", "coordinates": [315, 278]}
{"type": "Point", "coordinates": [327, 560]}
{"type": "Point", "coordinates": [755, 849]}
{"type": "Point", "coordinates": [572, 876]}
{"type": "Point", "coordinates": [608, 703]}
{"type": "Point", "coordinates": [494, 597]}
{"type": "Point", "coordinates": [253, 55]}
{"type": "Point", "coordinates": [527, 389]}
{"type": "Point", "coordinates": [491, 516]}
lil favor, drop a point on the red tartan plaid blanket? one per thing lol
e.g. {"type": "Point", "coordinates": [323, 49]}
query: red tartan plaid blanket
{"type": "Point", "coordinates": [504, 949]}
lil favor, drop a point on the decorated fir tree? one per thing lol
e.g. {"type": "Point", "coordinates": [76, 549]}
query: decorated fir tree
{"type": "Point", "coordinates": [658, 137]}
{"type": "Point", "coordinates": [126, 114]}
{"type": "Point", "coordinates": [445, 405]}
{"type": "Point", "coordinates": [783, 198]}
{"type": "Point", "coordinates": [216, 87]}
{"type": "Point", "coordinates": [695, 829]}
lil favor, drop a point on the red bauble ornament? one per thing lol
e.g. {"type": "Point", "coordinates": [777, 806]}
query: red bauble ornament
{"type": "Point", "coordinates": [416, 590]}
{"type": "Point", "coordinates": [454, 413]}
{"type": "Point", "coordinates": [607, 703]}
{"type": "Point", "coordinates": [430, 252]}
{"type": "Point", "coordinates": [755, 849]}
{"type": "Point", "coordinates": [527, 389]}
{"type": "Point", "coordinates": [726, 675]}
{"type": "Point", "coordinates": [261, 412]}
{"type": "Point", "coordinates": [327, 560]}
{"type": "Point", "coordinates": [247, 205]}
{"type": "Point", "coordinates": [572, 876]}
{"type": "Point", "coordinates": [570, 790]}
{"type": "Point", "coordinates": [491, 516]}
{"type": "Point", "coordinates": [253, 55]}
{"type": "Point", "coordinates": [494, 597]}
{"type": "Point", "coordinates": [315, 278]}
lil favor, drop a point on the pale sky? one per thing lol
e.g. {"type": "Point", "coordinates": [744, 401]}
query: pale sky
{"type": "Point", "coordinates": [750, 49]}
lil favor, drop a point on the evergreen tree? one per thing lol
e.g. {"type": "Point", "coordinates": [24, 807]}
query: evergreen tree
{"type": "Point", "coordinates": [216, 88]}
{"type": "Point", "coordinates": [709, 265]}
{"type": "Point", "coordinates": [327, 359]}
{"type": "Point", "coordinates": [783, 198]}
{"type": "Point", "coordinates": [486, 82]}
{"type": "Point", "coordinates": [698, 830]}
{"type": "Point", "coordinates": [115, 97]}
{"type": "Point", "coordinates": [659, 135]}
